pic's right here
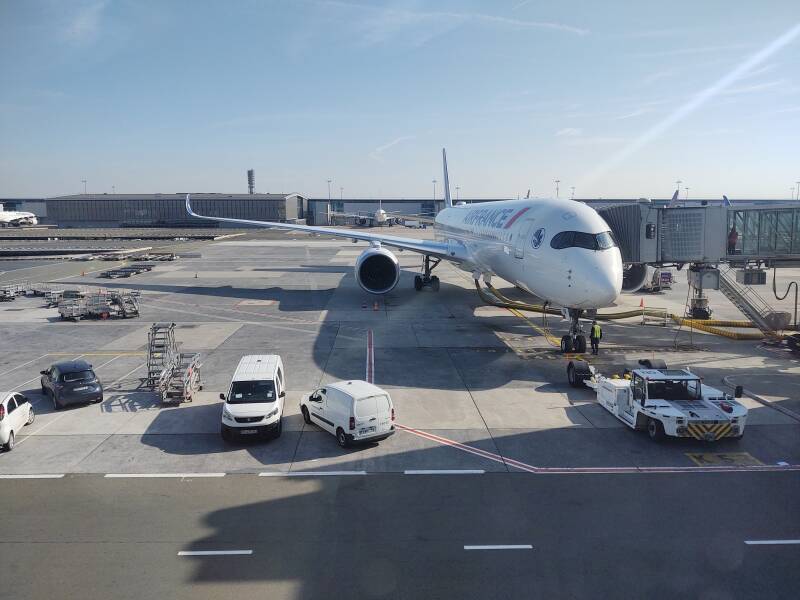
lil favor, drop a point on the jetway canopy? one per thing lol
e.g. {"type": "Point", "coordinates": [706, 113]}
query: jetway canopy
{"type": "Point", "coordinates": [653, 235]}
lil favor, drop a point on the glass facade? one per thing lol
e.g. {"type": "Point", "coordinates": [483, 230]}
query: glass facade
{"type": "Point", "coordinates": [753, 232]}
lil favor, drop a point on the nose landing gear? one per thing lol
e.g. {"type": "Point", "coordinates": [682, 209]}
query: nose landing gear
{"type": "Point", "coordinates": [574, 341]}
{"type": "Point", "coordinates": [426, 279]}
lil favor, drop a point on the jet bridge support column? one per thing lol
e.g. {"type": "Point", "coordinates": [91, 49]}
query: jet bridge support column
{"type": "Point", "coordinates": [701, 277]}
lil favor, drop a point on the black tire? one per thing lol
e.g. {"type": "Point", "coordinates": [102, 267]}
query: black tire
{"type": "Point", "coordinates": [44, 390]}
{"type": "Point", "coordinates": [417, 282]}
{"type": "Point", "coordinates": [566, 344]}
{"type": "Point", "coordinates": [277, 433]}
{"type": "Point", "coordinates": [572, 375]}
{"type": "Point", "coordinates": [306, 416]}
{"type": "Point", "coordinates": [9, 445]}
{"type": "Point", "coordinates": [56, 404]}
{"type": "Point", "coordinates": [655, 429]}
{"type": "Point", "coordinates": [580, 344]}
{"type": "Point", "coordinates": [341, 438]}
{"type": "Point", "coordinates": [31, 417]}
{"type": "Point", "coordinates": [435, 284]}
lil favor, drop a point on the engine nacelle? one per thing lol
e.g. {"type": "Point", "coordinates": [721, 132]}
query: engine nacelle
{"type": "Point", "coordinates": [377, 271]}
{"type": "Point", "coordinates": [634, 277]}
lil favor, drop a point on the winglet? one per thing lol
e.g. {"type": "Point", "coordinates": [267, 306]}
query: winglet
{"type": "Point", "coordinates": [189, 206]}
{"type": "Point", "coordinates": [448, 203]}
{"type": "Point", "coordinates": [528, 195]}
{"type": "Point", "coordinates": [725, 201]}
{"type": "Point", "coordinates": [674, 201]}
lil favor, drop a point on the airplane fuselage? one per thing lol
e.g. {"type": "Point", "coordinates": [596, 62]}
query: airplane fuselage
{"type": "Point", "coordinates": [16, 218]}
{"type": "Point", "coordinates": [516, 240]}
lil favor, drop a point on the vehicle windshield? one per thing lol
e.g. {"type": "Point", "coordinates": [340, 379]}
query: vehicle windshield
{"type": "Point", "coordinates": [680, 389]}
{"type": "Point", "coordinates": [78, 376]}
{"type": "Point", "coordinates": [249, 392]}
{"type": "Point", "coordinates": [579, 239]}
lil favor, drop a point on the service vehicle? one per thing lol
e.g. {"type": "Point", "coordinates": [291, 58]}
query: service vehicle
{"type": "Point", "coordinates": [663, 401]}
{"type": "Point", "coordinates": [353, 411]}
{"type": "Point", "coordinates": [16, 411]}
{"type": "Point", "coordinates": [254, 402]}
{"type": "Point", "coordinates": [71, 382]}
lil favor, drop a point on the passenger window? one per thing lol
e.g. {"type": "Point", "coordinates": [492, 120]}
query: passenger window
{"type": "Point", "coordinates": [12, 405]}
{"type": "Point", "coordinates": [20, 399]}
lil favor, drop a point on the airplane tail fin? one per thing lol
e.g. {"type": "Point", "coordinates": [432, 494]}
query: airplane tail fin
{"type": "Point", "coordinates": [725, 201]}
{"type": "Point", "coordinates": [528, 195]}
{"type": "Point", "coordinates": [448, 203]}
{"type": "Point", "coordinates": [674, 201]}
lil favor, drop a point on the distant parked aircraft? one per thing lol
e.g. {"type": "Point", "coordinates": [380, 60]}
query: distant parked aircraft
{"type": "Point", "coordinates": [12, 218]}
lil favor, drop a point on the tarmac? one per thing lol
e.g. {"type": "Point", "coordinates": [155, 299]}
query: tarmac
{"type": "Point", "coordinates": [482, 401]}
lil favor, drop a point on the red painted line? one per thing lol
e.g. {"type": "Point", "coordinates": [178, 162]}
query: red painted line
{"type": "Point", "coordinates": [370, 357]}
{"type": "Point", "coordinates": [578, 470]}
{"type": "Point", "coordinates": [515, 217]}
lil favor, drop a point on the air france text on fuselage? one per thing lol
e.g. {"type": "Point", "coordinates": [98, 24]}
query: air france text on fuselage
{"type": "Point", "coordinates": [492, 217]}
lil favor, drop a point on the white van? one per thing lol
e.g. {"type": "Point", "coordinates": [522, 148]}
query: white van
{"type": "Point", "coordinates": [353, 411]}
{"type": "Point", "coordinates": [254, 403]}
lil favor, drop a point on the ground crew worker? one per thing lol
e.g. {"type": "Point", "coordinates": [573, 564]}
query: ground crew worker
{"type": "Point", "coordinates": [595, 336]}
{"type": "Point", "coordinates": [733, 237]}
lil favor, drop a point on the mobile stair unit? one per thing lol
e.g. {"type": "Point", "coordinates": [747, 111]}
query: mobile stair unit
{"type": "Point", "coordinates": [181, 378]}
{"type": "Point", "coordinates": [174, 375]}
{"type": "Point", "coordinates": [161, 350]}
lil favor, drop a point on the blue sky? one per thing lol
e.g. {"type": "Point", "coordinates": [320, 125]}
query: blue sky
{"type": "Point", "coordinates": [619, 99]}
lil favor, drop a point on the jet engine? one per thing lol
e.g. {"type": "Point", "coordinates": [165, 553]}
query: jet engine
{"type": "Point", "coordinates": [634, 276]}
{"type": "Point", "coordinates": [377, 271]}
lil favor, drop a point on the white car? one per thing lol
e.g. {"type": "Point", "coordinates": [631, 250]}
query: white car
{"type": "Point", "coordinates": [15, 412]}
{"type": "Point", "coordinates": [353, 411]}
{"type": "Point", "coordinates": [254, 404]}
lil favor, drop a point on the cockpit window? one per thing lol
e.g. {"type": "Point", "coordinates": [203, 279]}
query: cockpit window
{"type": "Point", "coordinates": [579, 239]}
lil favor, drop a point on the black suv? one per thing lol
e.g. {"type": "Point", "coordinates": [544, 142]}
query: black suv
{"type": "Point", "coordinates": [71, 382]}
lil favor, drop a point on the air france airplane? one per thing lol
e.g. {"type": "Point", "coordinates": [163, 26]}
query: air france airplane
{"type": "Point", "coordinates": [561, 251]}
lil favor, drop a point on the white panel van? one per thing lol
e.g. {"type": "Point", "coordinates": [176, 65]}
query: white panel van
{"type": "Point", "coordinates": [254, 402]}
{"type": "Point", "coordinates": [353, 411]}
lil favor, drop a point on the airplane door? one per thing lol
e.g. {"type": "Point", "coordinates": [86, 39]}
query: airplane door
{"type": "Point", "coordinates": [522, 237]}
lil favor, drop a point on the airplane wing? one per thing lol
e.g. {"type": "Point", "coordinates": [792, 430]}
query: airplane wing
{"type": "Point", "coordinates": [455, 253]}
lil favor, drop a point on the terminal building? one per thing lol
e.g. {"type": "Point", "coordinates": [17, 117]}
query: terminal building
{"type": "Point", "coordinates": [169, 210]}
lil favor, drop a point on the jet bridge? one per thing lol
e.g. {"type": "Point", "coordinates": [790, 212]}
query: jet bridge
{"type": "Point", "coordinates": [746, 239]}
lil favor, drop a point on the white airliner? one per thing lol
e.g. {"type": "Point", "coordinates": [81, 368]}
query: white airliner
{"type": "Point", "coordinates": [561, 251]}
{"type": "Point", "coordinates": [11, 218]}
{"type": "Point", "coordinates": [381, 217]}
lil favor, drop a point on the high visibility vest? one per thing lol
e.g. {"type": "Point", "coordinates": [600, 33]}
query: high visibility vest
{"type": "Point", "coordinates": [596, 333]}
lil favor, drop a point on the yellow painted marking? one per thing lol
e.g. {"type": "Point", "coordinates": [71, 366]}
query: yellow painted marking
{"type": "Point", "coordinates": [723, 459]}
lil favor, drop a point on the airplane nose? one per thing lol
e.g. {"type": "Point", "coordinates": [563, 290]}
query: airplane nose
{"type": "Point", "coordinates": [603, 280]}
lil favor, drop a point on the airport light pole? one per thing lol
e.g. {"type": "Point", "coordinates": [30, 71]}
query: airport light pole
{"type": "Point", "coordinates": [458, 196]}
{"type": "Point", "coordinates": [434, 189]}
{"type": "Point", "coordinates": [83, 181]}
{"type": "Point", "coordinates": [329, 189]}
{"type": "Point", "coordinates": [341, 193]}
{"type": "Point", "coordinates": [573, 193]}
{"type": "Point", "coordinates": [557, 182]}
{"type": "Point", "coordinates": [113, 189]}
{"type": "Point", "coordinates": [798, 189]}
{"type": "Point", "coordinates": [685, 196]}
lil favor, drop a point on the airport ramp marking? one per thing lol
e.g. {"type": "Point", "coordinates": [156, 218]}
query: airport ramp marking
{"type": "Point", "coordinates": [724, 459]}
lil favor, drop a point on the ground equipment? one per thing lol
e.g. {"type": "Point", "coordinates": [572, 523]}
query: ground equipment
{"type": "Point", "coordinates": [180, 379]}
{"type": "Point", "coordinates": [663, 401]}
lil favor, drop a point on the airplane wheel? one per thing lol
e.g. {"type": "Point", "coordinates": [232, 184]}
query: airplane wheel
{"type": "Point", "coordinates": [566, 344]}
{"type": "Point", "coordinates": [435, 283]}
{"type": "Point", "coordinates": [417, 282]}
{"type": "Point", "coordinates": [580, 344]}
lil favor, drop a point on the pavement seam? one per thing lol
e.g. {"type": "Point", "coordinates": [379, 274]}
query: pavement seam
{"type": "Point", "coordinates": [475, 404]}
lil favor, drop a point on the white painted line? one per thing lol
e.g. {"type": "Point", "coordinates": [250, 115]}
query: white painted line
{"type": "Point", "coordinates": [131, 372]}
{"type": "Point", "coordinates": [770, 542]}
{"type": "Point", "coordinates": [783, 463]}
{"type": "Point", "coordinates": [444, 472]}
{"type": "Point", "coordinates": [501, 547]}
{"type": "Point", "coordinates": [309, 473]}
{"type": "Point", "coordinates": [214, 552]}
{"type": "Point", "coordinates": [23, 364]}
{"type": "Point", "coordinates": [42, 476]}
{"type": "Point", "coordinates": [160, 475]}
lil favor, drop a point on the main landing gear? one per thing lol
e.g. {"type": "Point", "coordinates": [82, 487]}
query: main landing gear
{"type": "Point", "coordinates": [574, 341]}
{"type": "Point", "coordinates": [426, 279]}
